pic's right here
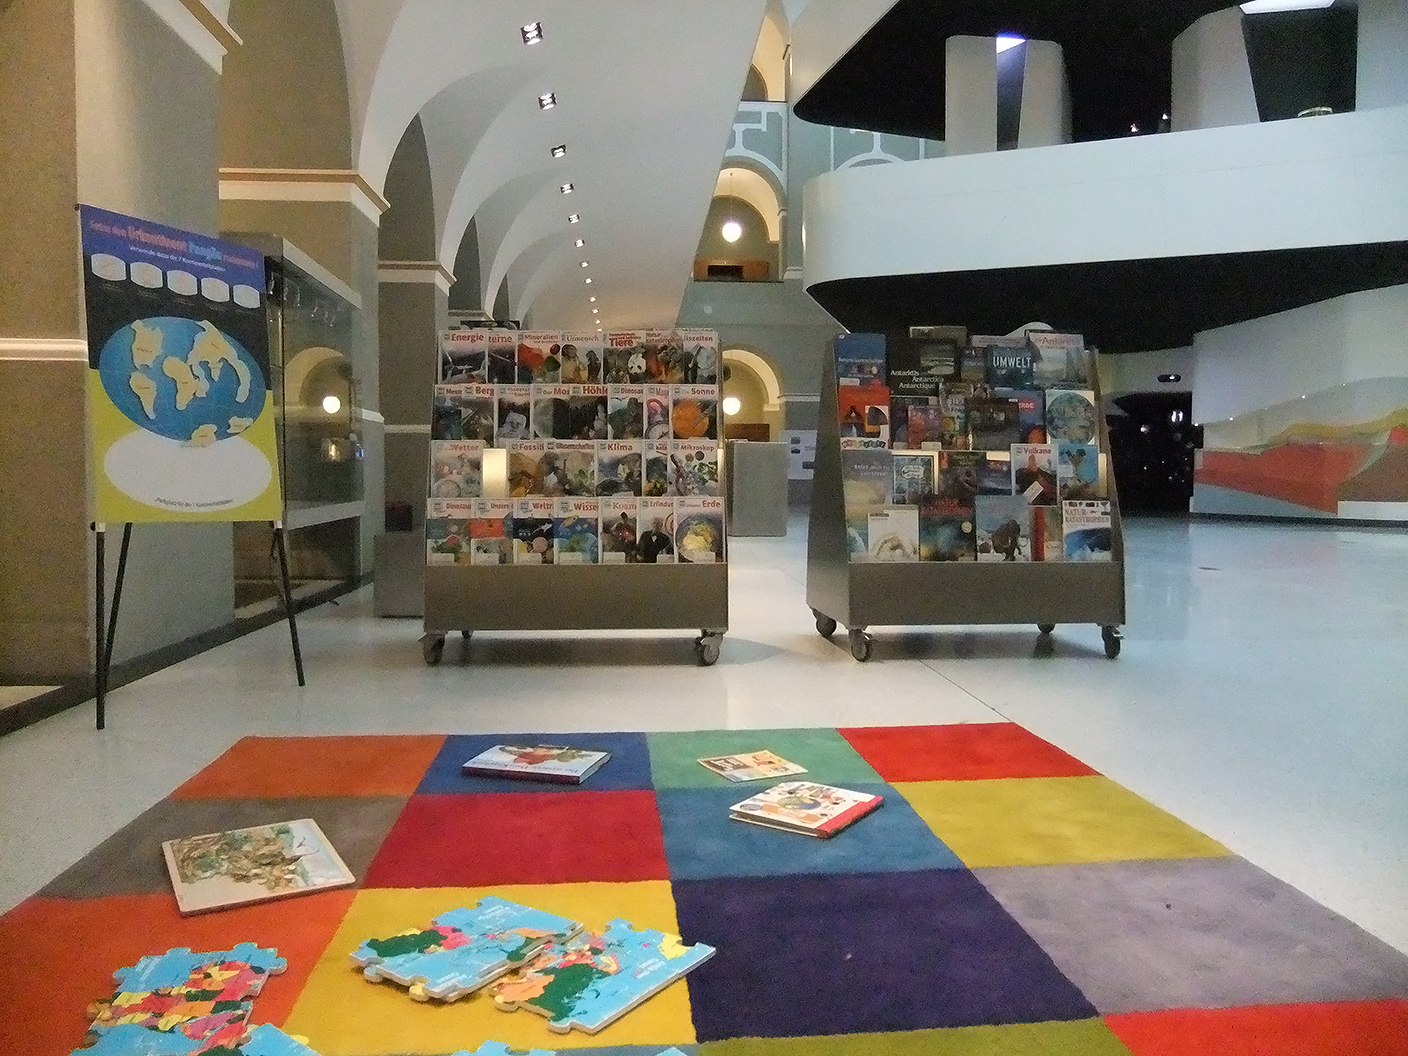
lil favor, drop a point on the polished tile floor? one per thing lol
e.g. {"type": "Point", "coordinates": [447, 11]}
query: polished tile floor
{"type": "Point", "coordinates": [1262, 696]}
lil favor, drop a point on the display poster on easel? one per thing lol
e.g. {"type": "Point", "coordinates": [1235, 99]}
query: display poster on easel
{"type": "Point", "coordinates": [180, 391]}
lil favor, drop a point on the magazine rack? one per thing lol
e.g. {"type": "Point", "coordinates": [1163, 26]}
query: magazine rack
{"type": "Point", "coordinates": [859, 595]}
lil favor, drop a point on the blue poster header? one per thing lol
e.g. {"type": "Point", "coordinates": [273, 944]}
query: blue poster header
{"type": "Point", "coordinates": [132, 240]}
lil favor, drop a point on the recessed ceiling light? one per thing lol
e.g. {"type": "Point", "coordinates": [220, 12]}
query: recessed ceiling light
{"type": "Point", "coordinates": [596, 311]}
{"type": "Point", "coordinates": [559, 151]}
{"type": "Point", "coordinates": [547, 100]}
{"type": "Point", "coordinates": [588, 280]}
{"type": "Point", "coordinates": [532, 33]}
{"type": "Point", "coordinates": [574, 218]}
{"type": "Point", "coordinates": [582, 265]}
{"type": "Point", "coordinates": [598, 329]}
{"type": "Point", "coordinates": [591, 299]}
{"type": "Point", "coordinates": [1008, 40]}
{"type": "Point", "coordinates": [1262, 7]}
{"type": "Point", "coordinates": [579, 243]}
{"type": "Point", "coordinates": [566, 188]}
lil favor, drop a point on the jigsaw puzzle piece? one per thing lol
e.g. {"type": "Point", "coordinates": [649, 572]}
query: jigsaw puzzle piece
{"type": "Point", "coordinates": [597, 977]}
{"type": "Point", "coordinates": [498, 1048]}
{"type": "Point", "coordinates": [268, 1040]}
{"type": "Point", "coordinates": [463, 949]}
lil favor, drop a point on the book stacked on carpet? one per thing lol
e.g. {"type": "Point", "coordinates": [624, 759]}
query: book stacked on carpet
{"type": "Point", "coordinates": [561, 448]}
{"type": "Point", "coordinates": [805, 807]}
{"type": "Point", "coordinates": [983, 441]}
{"type": "Point", "coordinates": [539, 762]}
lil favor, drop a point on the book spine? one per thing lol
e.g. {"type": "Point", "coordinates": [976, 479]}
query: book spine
{"type": "Point", "coordinates": [851, 814]}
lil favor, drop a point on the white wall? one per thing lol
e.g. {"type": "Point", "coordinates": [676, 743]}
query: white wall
{"type": "Point", "coordinates": [1383, 54]}
{"type": "Point", "coordinates": [1212, 79]}
{"type": "Point", "coordinates": [822, 32]}
{"type": "Point", "coordinates": [1139, 371]}
{"type": "Point", "coordinates": [1249, 366]}
{"type": "Point", "coordinates": [970, 95]}
{"type": "Point", "coordinates": [1336, 180]}
{"type": "Point", "coordinates": [1046, 97]}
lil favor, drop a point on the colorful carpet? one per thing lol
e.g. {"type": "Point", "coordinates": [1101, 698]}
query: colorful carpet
{"type": "Point", "coordinates": [1005, 899]}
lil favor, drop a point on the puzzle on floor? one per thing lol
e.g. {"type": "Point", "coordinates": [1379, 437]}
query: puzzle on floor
{"type": "Point", "coordinates": [597, 977]}
{"type": "Point", "coordinates": [498, 1048]}
{"type": "Point", "coordinates": [181, 1002]}
{"type": "Point", "coordinates": [268, 1040]}
{"type": "Point", "coordinates": [462, 949]}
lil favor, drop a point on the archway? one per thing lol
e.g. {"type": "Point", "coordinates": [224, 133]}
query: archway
{"type": "Point", "coordinates": [751, 379]}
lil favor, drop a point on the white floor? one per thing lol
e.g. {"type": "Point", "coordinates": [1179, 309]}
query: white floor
{"type": "Point", "coordinates": [1262, 696]}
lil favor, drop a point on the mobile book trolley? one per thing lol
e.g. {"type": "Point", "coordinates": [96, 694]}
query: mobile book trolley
{"type": "Point", "coordinates": [858, 595]}
{"type": "Point", "coordinates": [480, 576]}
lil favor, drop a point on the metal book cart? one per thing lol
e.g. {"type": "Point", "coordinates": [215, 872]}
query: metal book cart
{"type": "Point", "coordinates": [858, 595]}
{"type": "Point", "coordinates": [467, 598]}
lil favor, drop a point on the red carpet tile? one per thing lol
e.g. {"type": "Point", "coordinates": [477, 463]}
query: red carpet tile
{"type": "Point", "coordinates": [965, 752]}
{"type": "Point", "coordinates": [258, 768]}
{"type": "Point", "coordinates": [1349, 1028]}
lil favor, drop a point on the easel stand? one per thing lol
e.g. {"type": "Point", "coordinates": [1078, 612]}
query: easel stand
{"type": "Point", "coordinates": [105, 630]}
{"type": "Point", "coordinates": [857, 595]}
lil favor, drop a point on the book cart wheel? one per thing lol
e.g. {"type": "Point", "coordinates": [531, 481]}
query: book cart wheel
{"type": "Point", "coordinates": [706, 648]}
{"type": "Point", "coordinates": [860, 643]}
{"type": "Point", "coordinates": [467, 634]}
{"type": "Point", "coordinates": [825, 625]}
{"type": "Point", "coordinates": [1112, 641]}
{"type": "Point", "coordinates": [432, 647]}
{"type": "Point", "coordinates": [1045, 628]}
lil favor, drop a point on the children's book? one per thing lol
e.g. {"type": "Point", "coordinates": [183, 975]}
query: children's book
{"type": "Point", "coordinates": [925, 429]}
{"type": "Point", "coordinates": [1010, 365]}
{"type": "Point", "coordinates": [1034, 473]}
{"type": "Point", "coordinates": [556, 763]}
{"type": "Point", "coordinates": [995, 473]}
{"type": "Point", "coordinates": [973, 363]}
{"type": "Point", "coordinates": [751, 766]}
{"type": "Point", "coordinates": [533, 531]}
{"type": "Point", "coordinates": [915, 473]}
{"type": "Point", "coordinates": [664, 357]}
{"type": "Point", "coordinates": [801, 806]}
{"type": "Point", "coordinates": [934, 350]}
{"type": "Point", "coordinates": [590, 350]}
{"type": "Point", "coordinates": [620, 530]}
{"type": "Point", "coordinates": [447, 531]}
{"type": "Point", "coordinates": [1031, 414]}
{"type": "Point", "coordinates": [655, 545]}
{"type": "Point", "coordinates": [595, 978]}
{"type": "Point", "coordinates": [463, 949]}
{"type": "Point", "coordinates": [908, 388]}
{"type": "Point", "coordinates": [624, 358]}
{"type": "Point", "coordinates": [552, 412]}
{"type": "Point", "coordinates": [867, 483]}
{"type": "Point", "coordinates": [569, 467]}
{"type": "Point", "coordinates": [1078, 471]}
{"type": "Point", "coordinates": [491, 532]}
{"type": "Point", "coordinates": [994, 422]}
{"type": "Point", "coordinates": [946, 530]}
{"type": "Point", "coordinates": [1085, 530]}
{"type": "Point", "coordinates": [892, 534]}
{"type": "Point", "coordinates": [625, 412]}
{"type": "Point", "coordinates": [1046, 534]}
{"type": "Point", "coordinates": [701, 356]}
{"type": "Point", "coordinates": [953, 404]}
{"type": "Point", "coordinates": [1059, 360]}
{"type": "Point", "coordinates": [1004, 526]}
{"type": "Point", "coordinates": [694, 467]}
{"type": "Point", "coordinates": [464, 356]}
{"type": "Point", "coordinates": [456, 469]}
{"type": "Point", "coordinates": [445, 420]}
{"type": "Point", "coordinates": [865, 412]}
{"type": "Point", "coordinates": [231, 868]}
{"type": "Point", "coordinates": [525, 466]}
{"type": "Point", "coordinates": [657, 412]}
{"type": "Point", "coordinates": [860, 360]}
{"type": "Point", "coordinates": [539, 357]}
{"type": "Point", "coordinates": [958, 476]}
{"type": "Point", "coordinates": [576, 528]}
{"type": "Point", "coordinates": [502, 354]}
{"type": "Point", "coordinates": [699, 530]}
{"type": "Point", "coordinates": [694, 412]}
{"type": "Point", "coordinates": [586, 413]}
{"type": "Point", "coordinates": [514, 412]}
{"type": "Point", "coordinates": [656, 482]}
{"type": "Point", "coordinates": [576, 360]}
{"type": "Point", "coordinates": [619, 467]}
{"type": "Point", "coordinates": [1071, 415]}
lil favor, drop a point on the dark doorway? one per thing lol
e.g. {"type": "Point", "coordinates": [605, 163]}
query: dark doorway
{"type": "Point", "coordinates": [1152, 440]}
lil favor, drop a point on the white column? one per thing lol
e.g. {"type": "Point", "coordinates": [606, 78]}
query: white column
{"type": "Point", "coordinates": [1212, 79]}
{"type": "Point", "coordinates": [1046, 97]}
{"type": "Point", "coordinates": [1383, 54]}
{"type": "Point", "coordinates": [970, 95]}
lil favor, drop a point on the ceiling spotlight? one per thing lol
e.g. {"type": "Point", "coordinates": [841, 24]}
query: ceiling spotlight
{"type": "Point", "coordinates": [582, 265]}
{"type": "Point", "coordinates": [559, 150]}
{"type": "Point", "coordinates": [574, 218]}
{"type": "Point", "coordinates": [532, 33]}
{"type": "Point", "coordinates": [593, 299]}
{"type": "Point", "coordinates": [1006, 41]}
{"type": "Point", "coordinates": [732, 231]}
{"type": "Point", "coordinates": [579, 243]}
{"type": "Point", "coordinates": [596, 311]}
{"type": "Point", "coordinates": [588, 280]}
{"type": "Point", "coordinates": [598, 329]}
{"type": "Point", "coordinates": [732, 405]}
{"type": "Point", "coordinates": [566, 188]}
{"type": "Point", "coordinates": [547, 101]}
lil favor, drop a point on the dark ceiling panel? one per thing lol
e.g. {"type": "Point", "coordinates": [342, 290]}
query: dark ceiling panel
{"type": "Point", "coordinates": [1117, 53]}
{"type": "Point", "coordinates": [1119, 305]}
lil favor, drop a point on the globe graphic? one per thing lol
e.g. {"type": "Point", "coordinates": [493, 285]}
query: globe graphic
{"type": "Point", "coordinates": [182, 379]}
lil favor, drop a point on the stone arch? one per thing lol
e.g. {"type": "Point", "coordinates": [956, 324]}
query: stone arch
{"type": "Point", "coordinates": [745, 369]}
{"type": "Point", "coordinates": [740, 180]}
{"type": "Point", "coordinates": [407, 231]}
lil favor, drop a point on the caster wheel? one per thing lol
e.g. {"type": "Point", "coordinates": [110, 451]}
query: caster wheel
{"type": "Point", "coordinates": [825, 625]}
{"type": "Point", "coordinates": [467, 635]}
{"type": "Point", "coordinates": [860, 644]}
{"type": "Point", "coordinates": [1045, 628]}
{"type": "Point", "coordinates": [432, 648]}
{"type": "Point", "coordinates": [1112, 641]}
{"type": "Point", "coordinates": [706, 650]}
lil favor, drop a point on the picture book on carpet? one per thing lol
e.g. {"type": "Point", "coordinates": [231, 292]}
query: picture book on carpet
{"type": "Point", "coordinates": [463, 949]}
{"type": "Point", "coordinates": [751, 766]}
{"type": "Point", "coordinates": [557, 763]}
{"type": "Point", "coordinates": [595, 978]}
{"type": "Point", "coordinates": [801, 806]}
{"type": "Point", "coordinates": [231, 868]}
